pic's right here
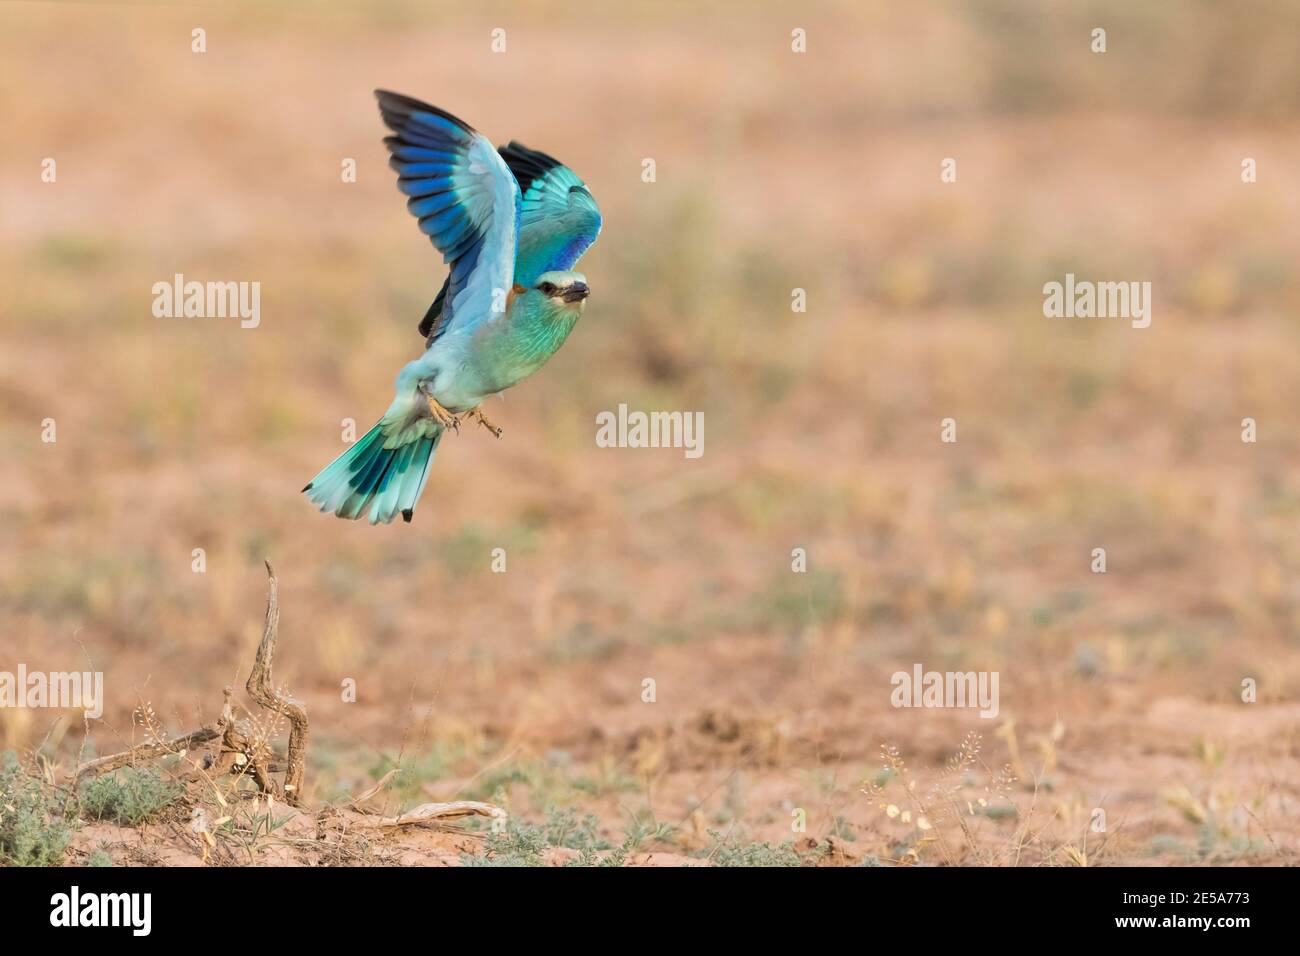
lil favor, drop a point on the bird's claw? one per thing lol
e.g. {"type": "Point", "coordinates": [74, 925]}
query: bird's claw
{"type": "Point", "coordinates": [476, 413]}
{"type": "Point", "coordinates": [444, 418]}
{"type": "Point", "coordinates": [447, 420]}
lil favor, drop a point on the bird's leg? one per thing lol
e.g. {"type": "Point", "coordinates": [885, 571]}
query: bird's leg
{"type": "Point", "coordinates": [445, 418]}
{"type": "Point", "coordinates": [476, 413]}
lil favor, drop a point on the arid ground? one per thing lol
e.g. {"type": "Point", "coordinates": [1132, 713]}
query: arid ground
{"type": "Point", "coordinates": [1147, 715]}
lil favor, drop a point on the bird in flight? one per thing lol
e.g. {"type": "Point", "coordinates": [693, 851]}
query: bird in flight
{"type": "Point", "coordinates": [510, 223]}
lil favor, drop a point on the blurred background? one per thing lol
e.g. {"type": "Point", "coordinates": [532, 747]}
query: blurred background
{"type": "Point", "coordinates": [775, 171]}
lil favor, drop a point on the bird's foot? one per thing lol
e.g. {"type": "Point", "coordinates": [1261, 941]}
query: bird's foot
{"type": "Point", "coordinates": [476, 414]}
{"type": "Point", "coordinates": [445, 418]}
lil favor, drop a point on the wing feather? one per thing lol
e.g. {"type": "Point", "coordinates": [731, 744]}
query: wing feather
{"type": "Point", "coordinates": [465, 198]}
{"type": "Point", "coordinates": [558, 218]}
{"type": "Point", "coordinates": [558, 222]}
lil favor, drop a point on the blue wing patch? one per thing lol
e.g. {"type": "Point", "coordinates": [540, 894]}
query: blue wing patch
{"type": "Point", "coordinates": [558, 217]}
{"type": "Point", "coordinates": [463, 195]}
{"type": "Point", "coordinates": [558, 222]}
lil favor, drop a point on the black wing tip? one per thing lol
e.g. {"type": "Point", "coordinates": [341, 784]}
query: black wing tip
{"type": "Point", "coordinates": [528, 165]}
{"type": "Point", "coordinates": [407, 513]}
{"type": "Point", "coordinates": [516, 148]}
{"type": "Point", "coordinates": [435, 311]}
{"type": "Point", "coordinates": [307, 487]}
{"type": "Point", "coordinates": [396, 108]}
{"type": "Point", "coordinates": [430, 319]}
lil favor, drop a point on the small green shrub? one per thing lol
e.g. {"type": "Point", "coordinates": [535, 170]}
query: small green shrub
{"type": "Point", "coordinates": [521, 844]}
{"type": "Point", "coordinates": [726, 852]}
{"type": "Point", "coordinates": [128, 797]}
{"type": "Point", "coordinates": [524, 845]}
{"type": "Point", "coordinates": [33, 831]}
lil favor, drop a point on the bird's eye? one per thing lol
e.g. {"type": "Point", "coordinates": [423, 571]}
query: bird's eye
{"type": "Point", "coordinates": [547, 288]}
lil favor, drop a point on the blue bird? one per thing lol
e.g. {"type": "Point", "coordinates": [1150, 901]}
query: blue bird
{"type": "Point", "coordinates": [510, 223]}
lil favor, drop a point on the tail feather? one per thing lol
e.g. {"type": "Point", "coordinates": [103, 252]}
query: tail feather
{"type": "Point", "coordinates": [372, 477]}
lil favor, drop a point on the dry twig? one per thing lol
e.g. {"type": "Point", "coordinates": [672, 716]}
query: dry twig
{"type": "Point", "coordinates": [244, 747]}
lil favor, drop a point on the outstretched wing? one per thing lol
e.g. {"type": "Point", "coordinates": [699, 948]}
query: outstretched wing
{"type": "Point", "coordinates": [558, 221]}
{"type": "Point", "coordinates": [466, 200]}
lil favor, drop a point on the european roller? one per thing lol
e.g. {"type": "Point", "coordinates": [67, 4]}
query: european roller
{"type": "Point", "coordinates": [510, 223]}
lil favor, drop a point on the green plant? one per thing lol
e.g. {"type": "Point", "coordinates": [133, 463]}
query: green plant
{"type": "Point", "coordinates": [100, 858]}
{"type": "Point", "coordinates": [33, 829]}
{"type": "Point", "coordinates": [523, 844]}
{"type": "Point", "coordinates": [520, 844]}
{"type": "Point", "coordinates": [728, 852]}
{"type": "Point", "coordinates": [129, 797]}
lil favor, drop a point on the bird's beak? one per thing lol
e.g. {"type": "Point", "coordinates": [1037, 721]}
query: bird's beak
{"type": "Point", "coordinates": [576, 292]}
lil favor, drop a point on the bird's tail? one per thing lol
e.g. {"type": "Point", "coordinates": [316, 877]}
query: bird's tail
{"type": "Point", "coordinates": [383, 474]}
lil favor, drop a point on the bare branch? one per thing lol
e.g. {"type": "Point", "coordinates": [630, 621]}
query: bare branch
{"type": "Point", "coordinates": [152, 750]}
{"type": "Point", "coordinates": [436, 813]}
{"type": "Point", "coordinates": [243, 748]}
{"type": "Point", "coordinates": [261, 688]}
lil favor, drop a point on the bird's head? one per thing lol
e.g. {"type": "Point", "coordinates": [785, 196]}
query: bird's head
{"type": "Point", "coordinates": [567, 290]}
